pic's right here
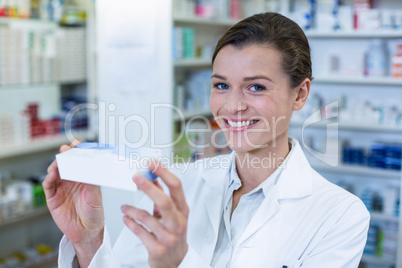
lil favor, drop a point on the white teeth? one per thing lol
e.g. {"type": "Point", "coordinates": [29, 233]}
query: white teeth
{"type": "Point", "coordinates": [241, 124]}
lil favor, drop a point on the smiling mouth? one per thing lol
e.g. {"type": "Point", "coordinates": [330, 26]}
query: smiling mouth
{"type": "Point", "coordinates": [240, 124]}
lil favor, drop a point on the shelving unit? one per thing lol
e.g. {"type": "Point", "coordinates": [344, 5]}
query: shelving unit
{"type": "Point", "coordinates": [358, 131]}
{"type": "Point", "coordinates": [322, 81]}
{"type": "Point", "coordinates": [25, 217]}
{"type": "Point", "coordinates": [189, 114]}
{"type": "Point", "coordinates": [25, 22]}
{"type": "Point", "coordinates": [357, 170]}
{"type": "Point", "coordinates": [24, 159]}
{"type": "Point", "coordinates": [382, 217]}
{"type": "Point", "coordinates": [207, 31]}
{"type": "Point", "coordinates": [203, 21]}
{"type": "Point", "coordinates": [378, 261]}
{"type": "Point", "coordinates": [198, 62]}
{"type": "Point", "coordinates": [38, 145]}
{"type": "Point", "coordinates": [351, 126]}
{"type": "Point", "coordinates": [381, 81]}
{"type": "Point", "coordinates": [355, 34]}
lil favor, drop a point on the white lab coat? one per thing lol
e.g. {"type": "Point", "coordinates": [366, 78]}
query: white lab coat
{"type": "Point", "coordinates": [304, 221]}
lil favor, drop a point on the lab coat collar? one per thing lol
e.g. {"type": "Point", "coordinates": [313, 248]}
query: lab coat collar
{"type": "Point", "coordinates": [217, 172]}
{"type": "Point", "coordinates": [296, 180]}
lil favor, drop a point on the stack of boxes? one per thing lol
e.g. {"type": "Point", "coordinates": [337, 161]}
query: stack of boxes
{"type": "Point", "coordinates": [28, 126]}
{"type": "Point", "coordinates": [222, 9]}
{"type": "Point", "coordinates": [39, 127]}
{"type": "Point", "coordinates": [380, 155]}
{"type": "Point", "coordinates": [183, 43]}
{"type": "Point", "coordinates": [382, 240]}
{"type": "Point", "coordinates": [14, 130]}
{"type": "Point", "coordinates": [35, 9]}
{"type": "Point", "coordinates": [71, 55]}
{"type": "Point", "coordinates": [41, 56]}
{"type": "Point", "coordinates": [361, 15]}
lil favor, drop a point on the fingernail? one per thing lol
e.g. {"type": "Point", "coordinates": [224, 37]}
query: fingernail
{"type": "Point", "coordinates": [137, 179]}
{"type": "Point", "coordinates": [152, 164]}
{"type": "Point", "coordinates": [125, 217]}
{"type": "Point", "coordinates": [123, 207]}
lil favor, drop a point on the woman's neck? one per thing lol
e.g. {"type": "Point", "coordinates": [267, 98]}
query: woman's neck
{"type": "Point", "coordinates": [256, 166]}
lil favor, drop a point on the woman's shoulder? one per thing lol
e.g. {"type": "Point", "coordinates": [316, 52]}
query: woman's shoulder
{"type": "Point", "coordinates": [335, 196]}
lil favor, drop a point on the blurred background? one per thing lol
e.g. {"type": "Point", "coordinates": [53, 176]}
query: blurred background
{"type": "Point", "coordinates": [81, 69]}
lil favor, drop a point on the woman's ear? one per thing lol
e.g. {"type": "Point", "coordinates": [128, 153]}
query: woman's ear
{"type": "Point", "coordinates": [302, 92]}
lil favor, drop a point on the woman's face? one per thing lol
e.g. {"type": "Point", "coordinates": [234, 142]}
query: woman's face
{"type": "Point", "coordinates": [250, 98]}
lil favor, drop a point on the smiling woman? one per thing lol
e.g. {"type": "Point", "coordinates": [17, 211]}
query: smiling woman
{"type": "Point", "coordinates": [261, 206]}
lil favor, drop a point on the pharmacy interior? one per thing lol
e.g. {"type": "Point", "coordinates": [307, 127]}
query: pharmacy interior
{"type": "Point", "coordinates": [69, 69]}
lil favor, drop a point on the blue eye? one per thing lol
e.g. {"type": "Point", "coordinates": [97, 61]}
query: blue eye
{"type": "Point", "coordinates": [221, 86]}
{"type": "Point", "coordinates": [257, 88]}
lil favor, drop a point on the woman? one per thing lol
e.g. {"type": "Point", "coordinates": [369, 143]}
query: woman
{"type": "Point", "coordinates": [261, 206]}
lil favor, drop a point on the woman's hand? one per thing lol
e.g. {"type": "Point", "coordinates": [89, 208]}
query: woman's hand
{"type": "Point", "coordinates": [166, 241]}
{"type": "Point", "coordinates": [77, 210]}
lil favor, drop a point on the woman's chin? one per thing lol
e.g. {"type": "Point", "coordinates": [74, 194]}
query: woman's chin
{"type": "Point", "coordinates": [243, 148]}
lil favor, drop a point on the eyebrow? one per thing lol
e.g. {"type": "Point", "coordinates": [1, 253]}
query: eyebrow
{"type": "Point", "coordinates": [250, 78]}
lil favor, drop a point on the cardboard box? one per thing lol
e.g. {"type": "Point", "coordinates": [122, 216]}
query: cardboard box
{"type": "Point", "coordinates": [104, 165]}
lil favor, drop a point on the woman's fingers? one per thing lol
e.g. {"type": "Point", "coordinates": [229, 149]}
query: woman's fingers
{"type": "Point", "coordinates": [149, 240]}
{"type": "Point", "coordinates": [75, 143]}
{"type": "Point", "coordinates": [144, 217]}
{"type": "Point", "coordinates": [156, 212]}
{"type": "Point", "coordinates": [51, 181]}
{"type": "Point", "coordinates": [64, 148]}
{"type": "Point", "coordinates": [161, 200]}
{"type": "Point", "coordinates": [173, 183]}
{"type": "Point", "coordinates": [157, 239]}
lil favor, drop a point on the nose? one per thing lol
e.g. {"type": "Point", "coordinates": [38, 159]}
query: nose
{"type": "Point", "coordinates": [235, 102]}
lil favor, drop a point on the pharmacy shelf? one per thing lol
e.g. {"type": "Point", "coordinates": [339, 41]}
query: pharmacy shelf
{"type": "Point", "coordinates": [382, 217]}
{"type": "Point", "coordinates": [190, 114]}
{"type": "Point", "coordinates": [351, 126]}
{"type": "Point", "coordinates": [47, 263]}
{"type": "Point", "coordinates": [193, 63]}
{"type": "Point", "coordinates": [38, 145]}
{"type": "Point", "coordinates": [27, 85]}
{"type": "Point", "coordinates": [381, 262]}
{"type": "Point", "coordinates": [357, 170]}
{"type": "Point", "coordinates": [356, 80]}
{"type": "Point", "coordinates": [27, 22]}
{"type": "Point", "coordinates": [24, 217]}
{"type": "Point", "coordinates": [355, 34]}
{"type": "Point", "coordinates": [204, 21]}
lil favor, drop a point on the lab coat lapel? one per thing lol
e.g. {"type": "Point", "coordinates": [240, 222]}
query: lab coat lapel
{"type": "Point", "coordinates": [264, 213]}
{"type": "Point", "coordinates": [217, 179]}
{"type": "Point", "coordinates": [295, 181]}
